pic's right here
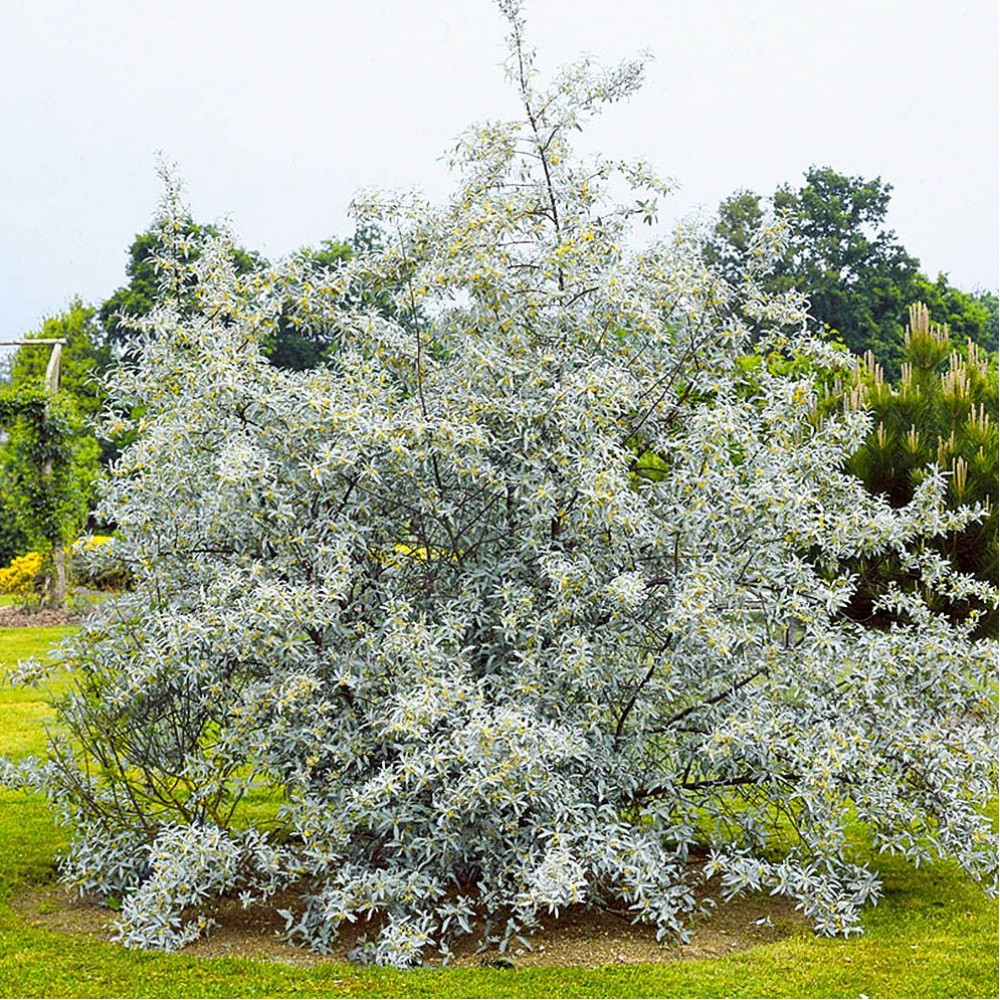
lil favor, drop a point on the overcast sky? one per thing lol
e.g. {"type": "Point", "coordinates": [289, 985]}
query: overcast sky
{"type": "Point", "coordinates": [278, 111]}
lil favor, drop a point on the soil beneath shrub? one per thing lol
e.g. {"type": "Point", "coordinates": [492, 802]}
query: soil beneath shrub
{"type": "Point", "coordinates": [11, 617]}
{"type": "Point", "coordinates": [579, 937]}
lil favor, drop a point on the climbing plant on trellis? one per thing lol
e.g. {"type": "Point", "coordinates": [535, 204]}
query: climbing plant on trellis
{"type": "Point", "coordinates": [40, 475]}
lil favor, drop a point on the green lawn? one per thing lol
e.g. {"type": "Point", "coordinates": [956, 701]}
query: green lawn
{"type": "Point", "coordinates": [934, 934]}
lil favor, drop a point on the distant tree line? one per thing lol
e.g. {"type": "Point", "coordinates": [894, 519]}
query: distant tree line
{"type": "Point", "coordinates": [860, 280]}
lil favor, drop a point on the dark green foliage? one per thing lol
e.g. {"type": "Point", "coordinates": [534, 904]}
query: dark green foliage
{"type": "Point", "coordinates": [859, 279]}
{"type": "Point", "coordinates": [729, 248]}
{"type": "Point", "coordinates": [85, 357]}
{"type": "Point", "coordinates": [48, 452]}
{"type": "Point", "coordinates": [968, 315]}
{"type": "Point", "coordinates": [942, 411]}
{"type": "Point", "coordinates": [854, 271]}
{"type": "Point", "coordinates": [13, 541]}
{"type": "Point", "coordinates": [47, 469]}
{"type": "Point", "coordinates": [46, 466]}
{"type": "Point", "coordinates": [58, 429]}
{"type": "Point", "coordinates": [138, 297]}
{"type": "Point", "coordinates": [295, 344]}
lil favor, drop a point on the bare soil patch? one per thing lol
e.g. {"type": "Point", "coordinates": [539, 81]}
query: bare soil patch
{"type": "Point", "coordinates": [579, 937]}
{"type": "Point", "coordinates": [83, 604]}
{"type": "Point", "coordinates": [12, 617]}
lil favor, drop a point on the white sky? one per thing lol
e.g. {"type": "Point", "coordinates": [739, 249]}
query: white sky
{"type": "Point", "coordinates": [278, 111]}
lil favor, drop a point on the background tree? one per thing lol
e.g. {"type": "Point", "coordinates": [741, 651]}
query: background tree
{"type": "Point", "coordinates": [48, 472]}
{"type": "Point", "coordinates": [13, 541]}
{"type": "Point", "coordinates": [967, 315]}
{"type": "Point", "coordinates": [49, 455]}
{"type": "Point", "coordinates": [137, 298]}
{"type": "Point", "coordinates": [859, 279]}
{"type": "Point", "coordinates": [941, 412]}
{"type": "Point", "coordinates": [85, 359]}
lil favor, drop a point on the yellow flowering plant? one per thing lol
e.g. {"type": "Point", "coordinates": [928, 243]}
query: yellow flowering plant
{"type": "Point", "coordinates": [23, 577]}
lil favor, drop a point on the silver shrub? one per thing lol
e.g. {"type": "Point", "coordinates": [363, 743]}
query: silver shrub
{"type": "Point", "coordinates": [536, 603]}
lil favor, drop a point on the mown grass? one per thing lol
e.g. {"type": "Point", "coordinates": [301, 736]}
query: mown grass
{"type": "Point", "coordinates": [934, 934]}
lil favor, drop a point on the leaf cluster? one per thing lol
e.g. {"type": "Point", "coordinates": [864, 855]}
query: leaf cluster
{"type": "Point", "coordinates": [47, 467]}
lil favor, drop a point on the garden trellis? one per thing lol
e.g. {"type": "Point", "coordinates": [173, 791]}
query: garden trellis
{"type": "Point", "coordinates": [52, 370]}
{"type": "Point", "coordinates": [45, 446]}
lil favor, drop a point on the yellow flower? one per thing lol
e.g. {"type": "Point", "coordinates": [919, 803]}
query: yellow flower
{"type": "Point", "coordinates": [19, 577]}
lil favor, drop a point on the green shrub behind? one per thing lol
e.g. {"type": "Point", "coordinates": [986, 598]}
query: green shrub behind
{"type": "Point", "coordinates": [942, 412]}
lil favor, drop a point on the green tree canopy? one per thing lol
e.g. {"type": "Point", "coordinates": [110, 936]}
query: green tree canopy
{"type": "Point", "coordinates": [135, 299]}
{"type": "Point", "coordinates": [49, 452]}
{"type": "Point", "coordinates": [858, 277]}
{"type": "Point", "coordinates": [85, 358]}
{"type": "Point", "coordinates": [967, 315]}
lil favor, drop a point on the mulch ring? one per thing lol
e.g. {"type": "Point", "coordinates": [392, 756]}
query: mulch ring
{"type": "Point", "coordinates": [84, 602]}
{"type": "Point", "coordinates": [12, 617]}
{"type": "Point", "coordinates": [579, 937]}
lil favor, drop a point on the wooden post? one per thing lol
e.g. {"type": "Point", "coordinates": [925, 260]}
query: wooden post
{"type": "Point", "coordinates": [52, 370]}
